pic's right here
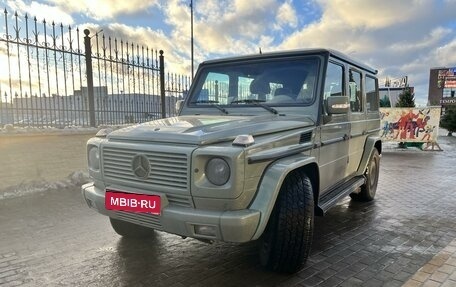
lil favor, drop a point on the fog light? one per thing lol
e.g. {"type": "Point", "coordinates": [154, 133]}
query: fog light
{"type": "Point", "coordinates": [206, 230]}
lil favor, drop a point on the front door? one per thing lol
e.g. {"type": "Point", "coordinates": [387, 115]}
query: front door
{"type": "Point", "coordinates": [357, 120]}
{"type": "Point", "coordinates": [335, 131]}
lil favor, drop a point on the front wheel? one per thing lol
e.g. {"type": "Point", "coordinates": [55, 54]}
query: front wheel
{"type": "Point", "coordinates": [130, 230]}
{"type": "Point", "coordinates": [286, 241]}
{"type": "Point", "coordinates": [368, 190]}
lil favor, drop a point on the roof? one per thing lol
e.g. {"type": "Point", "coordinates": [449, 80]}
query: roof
{"type": "Point", "coordinates": [291, 53]}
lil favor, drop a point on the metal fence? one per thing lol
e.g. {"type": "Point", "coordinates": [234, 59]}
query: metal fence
{"type": "Point", "coordinates": [53, 75]}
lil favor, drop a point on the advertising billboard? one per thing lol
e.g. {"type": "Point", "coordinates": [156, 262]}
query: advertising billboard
{"type": "Point", "coordinates": [442, 87]}
{"type": "Point", "coordinates": [446, 78]}
{"type": "Point", "coordinates": [410, 124]}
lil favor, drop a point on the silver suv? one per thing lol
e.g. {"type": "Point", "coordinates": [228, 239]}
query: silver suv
{"type": "Point", "coordinates": [262, 144]}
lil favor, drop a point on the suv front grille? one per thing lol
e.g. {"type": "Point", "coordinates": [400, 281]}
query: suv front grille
{"type": "Point", "coordinates": [168, 173]}
{"type": "Point", "coordinates": [166, 169]}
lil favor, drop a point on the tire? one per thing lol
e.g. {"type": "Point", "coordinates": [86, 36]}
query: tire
{"type": "Point", "coordinates": [130, 230]}
{"type": "Point", "coordinates": [286, 242]}
{"type": "Point", "coordinates": [368, 190]}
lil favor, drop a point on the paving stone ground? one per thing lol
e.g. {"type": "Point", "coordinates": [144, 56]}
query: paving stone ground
{"type": "Point", "coordinates": [406, 237]}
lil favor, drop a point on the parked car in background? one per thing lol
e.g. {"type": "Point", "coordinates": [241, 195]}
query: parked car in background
{"type": "Point", "coordinates": [24, 122]}
{"type": "Point", "coordinates": [61, 123]}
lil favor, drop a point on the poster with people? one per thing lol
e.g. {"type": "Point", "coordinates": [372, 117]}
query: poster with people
{"type": "Point", "coordinates": [410, 124]}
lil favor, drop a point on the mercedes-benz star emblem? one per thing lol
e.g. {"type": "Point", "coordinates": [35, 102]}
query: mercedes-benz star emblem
{"type": "Point", "coordinates": [141, 166]}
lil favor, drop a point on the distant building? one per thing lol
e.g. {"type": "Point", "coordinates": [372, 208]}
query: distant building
{"type": "Point", "coordinates": [125, 107]}
{"type": "Point", "coordinates": [6, 114]}
{"type": "Point", "coordinates": [394, 88]}
{"type": "Point", "coordinates": [442, 87]}
{"type": "Point", "coordinates": [109, 108]}
{"type": "Point", "coordinates": [393, 93]}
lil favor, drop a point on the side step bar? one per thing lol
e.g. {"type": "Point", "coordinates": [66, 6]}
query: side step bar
{"type": "Point", "coordinates": [332, 197]}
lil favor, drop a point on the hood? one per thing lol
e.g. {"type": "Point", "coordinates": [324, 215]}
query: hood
{"type": "Point", "coordinates": [201, 130]}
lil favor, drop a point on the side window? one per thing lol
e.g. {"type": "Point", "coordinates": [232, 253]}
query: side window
{"type": "Point", "coordinates": [334, 81]}
{"type": "Point", "coordinates": [372, 99]}
{"type": "Point", "coordinates": [354, 91]}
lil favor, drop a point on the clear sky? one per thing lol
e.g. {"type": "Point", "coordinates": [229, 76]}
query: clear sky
{"type": "Point", "coordinates": [397, 37]}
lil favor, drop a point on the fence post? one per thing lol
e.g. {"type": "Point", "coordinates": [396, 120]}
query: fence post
{"type": "Point", "coordinates": [90, 94]}
{"type": "Point", "coordinates": [162, 85]}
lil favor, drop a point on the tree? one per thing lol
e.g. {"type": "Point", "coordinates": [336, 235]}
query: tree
{"type": "Point", "coordinates": [448, 121]}
{"type": "Point", "coordinates": [406, 99]}
{"type": "Point", "coordinates": [385, 102]}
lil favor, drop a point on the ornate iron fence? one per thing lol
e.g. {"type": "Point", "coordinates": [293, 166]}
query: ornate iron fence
{"type": "Point", "coordinates": [53, 75]}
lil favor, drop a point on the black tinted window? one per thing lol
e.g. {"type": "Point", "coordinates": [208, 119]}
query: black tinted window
{"type": "Point", "coordinates": [372, 101]}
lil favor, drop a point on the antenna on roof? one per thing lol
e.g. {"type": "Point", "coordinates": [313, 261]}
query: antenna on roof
{"type": "Point", "coordinates": [260, 51]}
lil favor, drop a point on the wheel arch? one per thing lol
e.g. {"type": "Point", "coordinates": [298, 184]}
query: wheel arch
{"type": "Point", "coordinates": [313, 172]}
{"type": "Point", "coordinates": [371, 143]}
{"type": "Point", "coordinates": [378, 146]}
{"type": "Point", "coordinates": [272, 181]}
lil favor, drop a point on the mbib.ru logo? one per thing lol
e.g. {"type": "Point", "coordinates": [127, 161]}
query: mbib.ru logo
{"type": "Point", "coordinates": [133, 202]}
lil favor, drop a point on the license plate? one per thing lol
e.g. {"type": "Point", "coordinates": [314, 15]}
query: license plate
{"type": "Point", "coordinates": [133, 202]}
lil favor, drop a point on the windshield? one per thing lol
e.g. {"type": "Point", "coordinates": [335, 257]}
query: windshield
{"type": "Point", "coordinates": [282, 82]}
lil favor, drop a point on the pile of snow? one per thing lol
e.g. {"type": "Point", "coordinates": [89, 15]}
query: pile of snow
{"type": "Point", "coordinates": [74, 179]}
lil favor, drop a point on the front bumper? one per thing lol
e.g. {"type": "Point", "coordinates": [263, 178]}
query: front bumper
{"type": "Point", "coordinates": [229, 226]}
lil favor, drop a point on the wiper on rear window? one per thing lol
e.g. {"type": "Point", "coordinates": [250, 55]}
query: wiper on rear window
{"type": "Point", "coordinates": [256, 103]}
{"type": "Point", "coordinates": [212, 104]}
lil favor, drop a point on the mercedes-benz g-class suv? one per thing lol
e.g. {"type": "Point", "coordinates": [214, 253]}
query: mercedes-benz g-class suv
{"type": "Point", "coordinates": [261, 145]}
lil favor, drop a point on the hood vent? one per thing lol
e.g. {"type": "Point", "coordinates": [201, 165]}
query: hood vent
{"type": "Point", "coordinates": [305, 137]}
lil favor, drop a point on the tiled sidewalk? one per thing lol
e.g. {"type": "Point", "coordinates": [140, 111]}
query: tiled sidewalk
{"type": "Point", "coordinates": [440, 271]}
{"type": "Point", "coordinates": [406, 237]}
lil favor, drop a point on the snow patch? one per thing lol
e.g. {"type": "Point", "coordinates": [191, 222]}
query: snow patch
{"type": "Point", "coordinates": [77, 178]}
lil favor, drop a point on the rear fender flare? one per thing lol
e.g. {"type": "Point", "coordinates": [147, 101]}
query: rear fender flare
{"type": "Point", "coordinates": [371, 143]}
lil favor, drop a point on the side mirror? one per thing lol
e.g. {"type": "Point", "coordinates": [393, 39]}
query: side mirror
{"type": "Point", "coordinates": [337, 105]}
{"type": "Point", "coordinates": [179, 104]}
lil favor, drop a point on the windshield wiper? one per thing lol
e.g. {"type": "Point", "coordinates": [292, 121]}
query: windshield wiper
{"type": "Point", "coordinates": [212, 104]}
{"type": "Point", "coordinates": [257, 103]}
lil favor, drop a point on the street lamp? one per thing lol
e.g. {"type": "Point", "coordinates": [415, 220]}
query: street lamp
{"type": "Point", "coordinates": [191, 28]}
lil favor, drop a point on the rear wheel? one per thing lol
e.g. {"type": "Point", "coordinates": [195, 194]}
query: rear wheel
{"type": "Point", "coordinates": [286, 241]}
{"type": "Point", "coordinates": [130, 230]}
{"type": "Point", "coordinates": [368, 190]}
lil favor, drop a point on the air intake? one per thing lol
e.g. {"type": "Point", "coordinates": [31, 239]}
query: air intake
{"type": "Point", "coordinates": [305, 137]}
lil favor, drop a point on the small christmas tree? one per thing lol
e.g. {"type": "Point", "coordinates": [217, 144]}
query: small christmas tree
{"type": "Point", "coordinates": [406, 99]}
{"type": "Point", "coordinates": [385, 102]}
{"type": "Point", "coordinates": [448, 121]}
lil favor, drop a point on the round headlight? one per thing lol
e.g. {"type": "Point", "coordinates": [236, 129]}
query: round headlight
{"type": "Point", "coordinates": [94, 158]}
{"type": "Point", "coordinates": [217, 171]}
